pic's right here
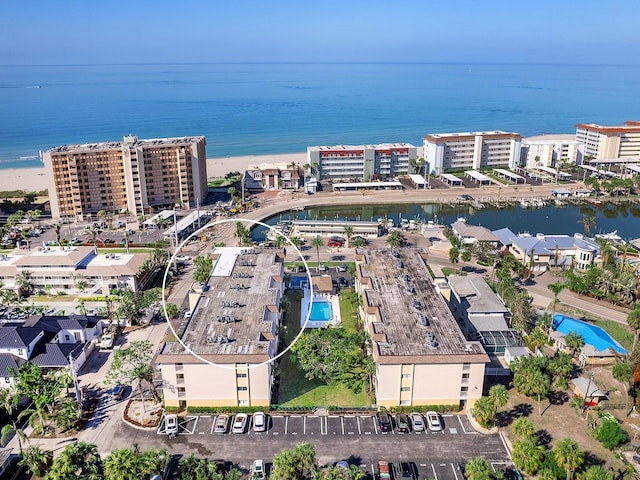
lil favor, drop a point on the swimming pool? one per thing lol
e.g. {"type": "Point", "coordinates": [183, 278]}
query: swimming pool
{"type": "Point", "coordinates": [320, 311]}
{"type": "Point", "coordinates": [591, 334]}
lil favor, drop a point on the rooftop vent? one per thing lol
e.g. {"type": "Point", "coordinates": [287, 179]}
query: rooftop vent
{"type": "Point", "coordinates": [423, 321]}
{"type": "Point", "coordinates": [432, 341]}
{"type": "Point", "coordinates": [468, 347]}
{"type": "Point", "coordinates": [226, 304]}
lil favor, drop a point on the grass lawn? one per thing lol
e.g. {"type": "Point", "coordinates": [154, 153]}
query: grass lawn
{"type": "Point", "coordinates": [315, 264]}
{"type": "Point", "coordinates": [52, 298]}
{"type": "Point", "coordinates": [349, 309]}
{"type": "Point", "coordinates": [446, 271]}
{"type": "Point", "coordinates": [295, 390]}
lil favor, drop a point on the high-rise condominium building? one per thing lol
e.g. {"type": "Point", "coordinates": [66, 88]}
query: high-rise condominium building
{"type": "Point", "coordinates": [471, 150]}
{"type": "Point", "coordinates": [608, 143]}
{"type": "Point", "coordinates": [131, 175]}
{"type": "Point", "coordinates": [546, 150]}
{"type": "Point", "coordinates": [362, 161]}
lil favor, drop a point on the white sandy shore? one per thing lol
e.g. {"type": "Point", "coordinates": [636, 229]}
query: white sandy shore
{"type": "Point", "coordinates": [34, 179]}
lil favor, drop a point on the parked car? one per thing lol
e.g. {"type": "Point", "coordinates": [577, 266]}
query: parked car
{"type": "Point", "coordinates": [433, 421]}
{"type": "Point", "coordinates": [406, 472]}
{"type": "Point", "coordinates": [402, 422]}
{"type": "Point", "coordinates": [117, 392]}
{"type": "Point", "coordinates": [222, 424]}
{"type": "Point", "coordinates": [384, 422]}
{"type": "Point", "coordinates": [342, 268]}
{"type": "Point", "coordinates": [417, 422]}
{"type": "Point", "coordinates": [257, 470]}
{"type": "Point", "coordinates": [106, 341]}
{"type": "Point", "coordinates": [240, 423]}
{"type": "Point", "coordinates": [171, 424]}
{"type": "Point", "coordinates": [334, 243]}
{"type": "Point", "coordinates": [259, 422]}
{"type": "Point", "coordinates": [384, 470]}
{"type": "Point", "coordinates": [322, 267]}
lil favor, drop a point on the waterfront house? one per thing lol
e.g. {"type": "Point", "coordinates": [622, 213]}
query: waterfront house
{"type": "Point", "coordinates": [470, 234]}
{"type": "Point", "coordinates": [273, 176]}
{"type": "Point", "coordinates": [543, 251]}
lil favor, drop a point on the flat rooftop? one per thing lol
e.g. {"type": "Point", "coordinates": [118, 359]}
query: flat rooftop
{"type": "Point", "coordinates": [379, 146]}
{"type": "Point", "coordinates": [236, 316]}
{"type": "Point", "coordinates": [402, 291]}
{"type": "Point", "coordinates": [128, 141]}
{"type": "Point", "coordinates": [476, 291]}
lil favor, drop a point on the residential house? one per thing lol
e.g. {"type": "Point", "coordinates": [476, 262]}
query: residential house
{"type": "Point", "coordinates": [273, 176]}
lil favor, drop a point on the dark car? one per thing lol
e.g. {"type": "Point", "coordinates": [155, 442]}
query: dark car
{"type": "Point", "coordinates": [384, 422]}
{"type": "Point", "coordinates": [117, 392]}
{"type": "Point", "coordinates": [402, 420]}
{"type": "Point", "coordinates": [406, 472]}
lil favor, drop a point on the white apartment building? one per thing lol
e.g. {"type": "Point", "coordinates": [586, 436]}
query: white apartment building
{"type": "Point", "coordinates": [609, 142]}
{"type": "Point", "coordinates": [131, 175]}
{"type": "Point", "coordinates": [366, 162]}
{"type": "Point", "coordinates": [471, 150]}
{"type": "Point", "coordinates": [546, 150]}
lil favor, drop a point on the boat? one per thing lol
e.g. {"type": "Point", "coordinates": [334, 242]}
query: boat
{"type": "Point", "coordinates": [612, 237]}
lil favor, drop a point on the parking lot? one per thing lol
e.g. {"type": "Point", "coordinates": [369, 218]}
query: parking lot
{"type": "Point", "coordinates": [357, 438]}
{"type": "Point", "coordinates": [314, 425]}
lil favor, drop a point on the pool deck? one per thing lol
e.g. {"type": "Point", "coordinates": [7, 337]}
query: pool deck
{"type": "Point", "coordinates": [592, 335]}
{"type": "Point", "coordinates": [335, 310]}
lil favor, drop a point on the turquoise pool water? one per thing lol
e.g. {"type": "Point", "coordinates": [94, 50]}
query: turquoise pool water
{"type": "Point", "coordinates": [320, 311]}
{"type": "Point", "coordinates": [591, 334]}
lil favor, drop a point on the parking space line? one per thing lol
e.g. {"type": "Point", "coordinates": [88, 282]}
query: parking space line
{"type": "Point", "coordinates": [323, 425]}
{"type": "Point", "coordinates": [454, 471]}
{"type": "Point", "coordinates": [375, 425]}
{"type": "Point", "coordinates": [342, 424]}
{"type": "Point", "coordinates": [286, 424]}
{"type": "Point", "coordinates": [214, 423]}
{"type": "Point", "coordinates": [304, 425]}
{"type": "Point", "coordinates": [460, 421]}
{"type": "Point", "coordinates": [434, 472]}
{"type": "Point", "coordinates": [359, 429]}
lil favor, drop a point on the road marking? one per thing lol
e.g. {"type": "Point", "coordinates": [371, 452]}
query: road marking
{"type": "Point", "coordinates": [434, 472]}
{"type": "Point", "coordinates": [375, 425]}
{"type": "Point", "coordinates": [213, 424]}
{"type": "Point", "coordinates": [323, 429]}
{"type": "Point", "coordinates": [454, 471]}
{"type": "Point", "coordinates": [359, 429]}
{"type": "Point", "coordinates": [304, 425]}
{"type": "Point", "coordinates": [460, 421]}
{"type": "Point", "coordinates": [504, 443]}
{"type": "Point", "coordinates": [286, 424]}
{"type": "Point", "coordinates": [342, 424]}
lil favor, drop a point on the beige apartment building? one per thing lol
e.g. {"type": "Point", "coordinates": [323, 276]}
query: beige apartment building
{"type": "Point", "coordinates": [471, 150]}
{"type": "Point", "coordinates": [421, 355]}
{"type": "Point", "coordinates": [609, 142]}
{"type": "Point", "coordinates": [128, 176]}
{"type": "Point", "coordinates": [233, 322]}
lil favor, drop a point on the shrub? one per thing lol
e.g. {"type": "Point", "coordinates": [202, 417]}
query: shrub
{"type": "Point", "coordinates": [610, 434]}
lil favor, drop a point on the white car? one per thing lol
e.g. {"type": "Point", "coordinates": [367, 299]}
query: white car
{"type": "Point", "coordinates": [257, 470]}
{"type": "Point", "coordinates": [259, 422]}
{"type": "Point", "coordinates": [240, 423]}
{"type": "Point", "coordinates": [417, 422]}
{"type": "Point", "coordinates": [171, 424]}
{"type": "Point", "coordinates": [433, 420]}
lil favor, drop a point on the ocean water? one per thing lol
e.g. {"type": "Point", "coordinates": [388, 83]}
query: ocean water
{"type": "Point", "coordinates": [249, 109]}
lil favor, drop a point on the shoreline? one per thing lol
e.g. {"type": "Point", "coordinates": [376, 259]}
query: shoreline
{"type": "Point", "coordinates": [34, 178]}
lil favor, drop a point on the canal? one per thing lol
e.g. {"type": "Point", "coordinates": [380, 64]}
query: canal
{"type": "Point", "coordinates": [608, 217]}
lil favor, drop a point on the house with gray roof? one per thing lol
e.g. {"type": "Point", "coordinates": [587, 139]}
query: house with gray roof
{"type": "Point", "coordinates": [50, 342]}
{"type": "Point", "coordinates": [504, 236]}
{"type": "Point", "coordinates": [543, 251]}
{"type": "Point", "coordinates": [470, 234]}
{"type": "Point", "coordinates": [481, 313]}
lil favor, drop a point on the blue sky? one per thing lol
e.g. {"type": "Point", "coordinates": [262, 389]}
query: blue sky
{"type": "Point", "coordinates": [158, 31]}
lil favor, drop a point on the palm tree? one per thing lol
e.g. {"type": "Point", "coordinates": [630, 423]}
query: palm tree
{"type": "Point", "coordinates": [348, 233]}
{"type": "Point", "coordinates": [120, 464]}
{"type": "Point", "coordinates": [317, 242]}
{"type": "Point", "coordinates": [623, 373]}
{"type": "Point", "coordinates": [306, 454]}
{"type": "Point", "coordinates": [556, 288]}
{"type": "Point", "coordinates": [499, 395]}
{"type": "Point", "coordinates": [9, 403]}
{"type": "Point", "coordinates": [633, 320]}
{"type": "Point", "coordinates": [36, 460]}
{"type": "Point", "coordinates": [56, 228]}
{"type": "Point", "coordinates": [523, 427]}
{"type": "Point", "coordinates": [394, 239]}
{"type": "Point", "coordinates": [25, 283]}
{"type": "Point", "coordinates": [477, 469]}
{"type": "Point", "coordinates": [588, 221]}
{"type": "Point", "coordinates": [568, 455]}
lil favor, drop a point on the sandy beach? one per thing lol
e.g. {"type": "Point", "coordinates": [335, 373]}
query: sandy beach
{"type": "Point", "coordinates": [34, 179]}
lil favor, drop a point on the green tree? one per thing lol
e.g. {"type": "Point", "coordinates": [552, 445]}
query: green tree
{"type": "Point", "coordinates": [243, 234]}
{"type": "Point", "coordinates": [454, 255]}
{"type": "Point", "coordinates": [531, 378]}
{"type": "Point", "coordinates": [36, 460]}
{"type": "Point", "coordinates": [484, 411]}
{"type": "Point", "coordinates": [337, 473]}
{"type": "Point", "coordinates": [77, 461]}
{"type": "Point", "coordinates": [499, 395]}
{"type": "Point", "coordinates": [358, 242]}
{"type": "Point", "coordinates": [394, 239]}
{"type": "Point", "coordinates": [132, 464]}
{"type": "Point", "coordinates": [204, 266]}
{"type": "Point", "coordinates": [595, 472]}
{"type": "Point", "coordinates": [465, 255]}
{"type": "Point", "coordinates": [589, 221]}
{"type": "Point", "coordinates": [66, 415]}
{"type": "Point", "coordinates": [527, 456]}
{"type": "Point", "coordinates": [523, 428]}
{"type": "Point", "coordinates": [133, 305]}
{"type": "Point", "coordinates": [568, 456]}
{"type": "Point", "coordinates": [477, 468]}
{"type": "Point", "coordinates": [25, 283]}
{"type": "Point", "coordinates": [133, 363]}
{"type": "Point", "coordinates": [633, 320]}
{"type": "Point", "coordinates": [317, 242]}
{"type": "Point", "coordinates": [285, 466]}
{"type": "Point", "coordinates": [623, 373]}
{"type": "Point", "coordinates": [348, 233]}
{"type": "Point", "coordinates": [42, 389]}
{"type": "Point", "coordinates": [9, 403]}
{"type": "Point", "coordinates": [556, 288]}
{"type": "Point", "coordinates": [610, 434]}
{"type": "Point", "coordinates": [171, 310]}
{"type": "Point", "coordinates": [574, 342]}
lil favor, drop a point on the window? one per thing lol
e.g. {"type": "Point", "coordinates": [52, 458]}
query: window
{"type": "Point", "coordinates": [19, 351]}
{"type": "Point", "coordinates": [181, 390]}
{"type": "Point", "coordinates": [242, 375]}
{"type": "Point", "coordinates": [243, 402]}
{"type": "Point", "coordinates": [464, 389]}
{"type": "Point", "coordinates": [243, 389]}
{"type": "Point", "coordinates": [180, 376]}
{"type": "Point", "coordinates": [405, 389]}
{"type": "Point", "coordinates": [404, 402]}
{"type": "Point", "coordinates": [406, 375]}
{"type": "Point", "coordinates": [465, 376]}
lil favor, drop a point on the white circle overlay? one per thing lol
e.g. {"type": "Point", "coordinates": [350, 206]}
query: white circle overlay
{"type": "Point", "coordinates": [234, 221]}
